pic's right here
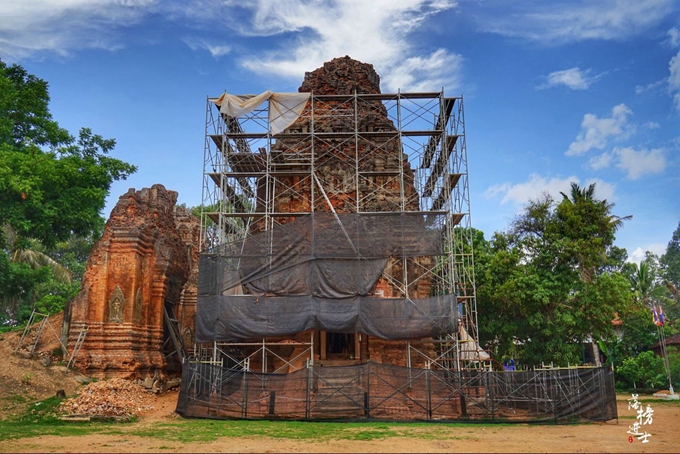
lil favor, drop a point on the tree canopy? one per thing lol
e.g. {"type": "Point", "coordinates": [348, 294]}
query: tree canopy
{"type": "Point", "coordinates": [53, 186]}
{"type": "Point", "coordinates": [550, 282]}
{"type": "Point", "coordinates": [670, 262]}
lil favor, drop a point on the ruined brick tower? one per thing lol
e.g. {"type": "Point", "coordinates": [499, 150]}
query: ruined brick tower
{"type": "Point", "coordinates": [335, 217]}
{"type": "Point", "coordinates": [146, 259]}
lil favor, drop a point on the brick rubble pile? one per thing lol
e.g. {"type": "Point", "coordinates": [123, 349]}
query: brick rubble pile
{"type": "Point", "coordinates": [115, 397]}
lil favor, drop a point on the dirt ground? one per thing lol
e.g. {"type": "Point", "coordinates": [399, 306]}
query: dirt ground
{"type": "Point", "coordinates": [599, 437]}
{"type": "Point", "coordinates": [30, 380]}
{"type": "Point", "coordinates": [24, 380]}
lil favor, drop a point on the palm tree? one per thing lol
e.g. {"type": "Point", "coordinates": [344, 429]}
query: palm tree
{"type": "Point", "coordinates": [36, 259]}
{"type": "Point", "coordinates": [31, 253]}
{"type": "Point", "coordinates": [588, 195]}
{"type": "Point", "coordinates": [598, 216]}
{"type": "Point", "coordinates": [643, 282]}
{"type": "Point", "coordinates": [673, 289]}
{"type": "Point", "coordinates": [594, 232]}
{"type": "Point", "coordinates": [577, 193]}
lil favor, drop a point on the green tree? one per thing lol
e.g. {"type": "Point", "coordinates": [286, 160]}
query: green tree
{"type": "Point", "coordinates": [53, 186]}
{"type": "Point", "coordinates": [547, 285]}
{"type": "Point", "coordinates": [25, 118]}
{"type": "Point", "coordinates": [590, 226]}
{"type": "Point", "coordinates": [646, 370]}
{"type": "Point", "coordinates": [671, 259]}
{"type": "Point", "coordinates": [670, 264]}
{"type": "Point", "coordinates": [50, 195]}
{"type": "Point", "coordinates": [639, 331]}
{"type": "Point", "coordinates": [642, 283]}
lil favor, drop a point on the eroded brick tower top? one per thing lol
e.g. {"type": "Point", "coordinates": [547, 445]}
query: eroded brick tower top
{"type": "Point", "coordinates": [342, 76]}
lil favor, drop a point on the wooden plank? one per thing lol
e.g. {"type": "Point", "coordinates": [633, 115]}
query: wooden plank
{"type": "Point", "coordinates": [440, 126]}
{"type": "Point", "coordinates": [445, 192]}
{"type": "Point", "coordinates": [229, 191]}
{"type": "Point", "coordinates": [440, 165]}
{"type": "Point", "coordinates": [246, 163]}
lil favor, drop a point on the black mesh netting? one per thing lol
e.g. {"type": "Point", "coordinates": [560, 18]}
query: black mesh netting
{"type": "Point", "coordinates": [318, 272]}
{"type": "Point", "coordinates": [380, 391]}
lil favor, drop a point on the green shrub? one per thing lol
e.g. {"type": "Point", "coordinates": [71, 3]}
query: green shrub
{"type": "Point", "coordinates": [646, 370]}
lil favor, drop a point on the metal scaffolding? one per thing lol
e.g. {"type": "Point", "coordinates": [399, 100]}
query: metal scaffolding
{"type": "Point", "coordinates": [373, 391]}
{"type": "Point", "coordinates": [399, 153]}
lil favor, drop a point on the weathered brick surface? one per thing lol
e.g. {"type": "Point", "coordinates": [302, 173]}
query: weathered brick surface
{"type": "Point", "coordinates": [144, 258]}
{"type": "Point", "coordinates": [377, 159]}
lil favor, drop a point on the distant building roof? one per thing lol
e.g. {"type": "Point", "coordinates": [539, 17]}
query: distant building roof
{"type": "Point", "coordinates": [673, 340]}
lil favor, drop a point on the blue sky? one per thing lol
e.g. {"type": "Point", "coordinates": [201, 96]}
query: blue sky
{"type": "Point", "coordinates": [559, 91]}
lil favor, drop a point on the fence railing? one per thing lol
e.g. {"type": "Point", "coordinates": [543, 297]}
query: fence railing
{"type": "Point", "coordinates": [380, 391]}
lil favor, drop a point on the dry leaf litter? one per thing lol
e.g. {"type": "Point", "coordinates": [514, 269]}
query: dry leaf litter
{"type": "Point", "coordinates": [114, 397]}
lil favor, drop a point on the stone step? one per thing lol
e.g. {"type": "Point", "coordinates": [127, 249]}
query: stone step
{"type": "Point", "coordinates": [342, 389]}
{"type": "Point", "coordinates": [337, 383]}
{"type": "Point", "coordinates": [336, 362]}
{"type": "Point", "coordinates": [347, 401]}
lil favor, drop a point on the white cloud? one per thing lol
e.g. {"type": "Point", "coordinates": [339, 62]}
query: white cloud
{"type": "Point", "coordinates": [573, 78]}
{"type": "Point", "coordinates": [636, 163]}
{"type": "Point", "coordinates": [674, 80]}
{"type": "Point", "coordinates": [572, 20]}
{"type": "Point", "coordinates": [61, 26]}
{"type": "Point", "coordinates": [653, 86]}
{"type": "Point", "coordinates": [311, 31]}
{"type": "Point", "coordinates": [651, 125]}
{"type": "Point", "coordinates": [674, 67]}
{"type": "Point", "coordinates": [493, 191]}
{"type": "Point", "coordinates": [601, 162]}
{"type": "Point", "coordinates": [674, 37]}
{"type": "Point", "coordinates": [521, 193]}
{"type": "Point", "coordinates": [215, 50]}
{"type": "Point", "coordinates": [638, 255]}
{"type": "Point", "coordinates": [603, 190]}
{"type": "Point", "coordinates": [595, 132]}
{"type": "Point", "coordinates": [426, 73]}
{"type": "Point", "coordinates": [376, 32]}
{"type": "Point", "coordinates": [640, 163]}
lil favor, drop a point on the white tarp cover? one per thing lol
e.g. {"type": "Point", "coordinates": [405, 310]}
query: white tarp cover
{"type": "Point", "coordinates": [470, 349]}
{"type": "Point", "coordinates": [284, 108]}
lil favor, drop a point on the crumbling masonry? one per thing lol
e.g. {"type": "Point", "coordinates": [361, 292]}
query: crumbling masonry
{"type": "Point", "coordinates": [146, 259]}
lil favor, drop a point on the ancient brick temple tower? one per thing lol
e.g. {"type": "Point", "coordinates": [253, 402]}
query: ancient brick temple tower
{"type": "Point", "coordinates": [342, 166]}
{"type": "Point", "coordinates": [145, 260]}
{"type": "Point", "coordinates": [361, 175]}
{"type": "Point", "coordinates": [337, 158]}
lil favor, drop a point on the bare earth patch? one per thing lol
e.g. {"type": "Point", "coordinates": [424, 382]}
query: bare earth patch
{"type": "Point", "coordinates": [597, 437]}
{"type": "Point", "coordinates": [24, 380]}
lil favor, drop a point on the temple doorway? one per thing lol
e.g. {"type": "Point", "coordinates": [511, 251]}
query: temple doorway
{"type": "Point", "coordinates": [338, 346]}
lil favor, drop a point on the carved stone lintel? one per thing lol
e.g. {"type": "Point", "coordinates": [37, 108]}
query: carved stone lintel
{"type": "Point", "coordinates": [116, 305]}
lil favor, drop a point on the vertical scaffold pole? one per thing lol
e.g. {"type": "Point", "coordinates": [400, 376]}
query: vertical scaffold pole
{"type": "Point", "coordinates": [367, 400]}
{"type": "Point", "coordinates": [310, 373]}
{"type": "Point", "coordinates": [408, 364]}
{"type": "Point", "coordinates": [245, 393]}
{"type": "Point", "coordinates": [264, 355]}
{"type": "Point", "coordinates": [311, 348]}
{"type": "Point", "coordinates": [428, 391]}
